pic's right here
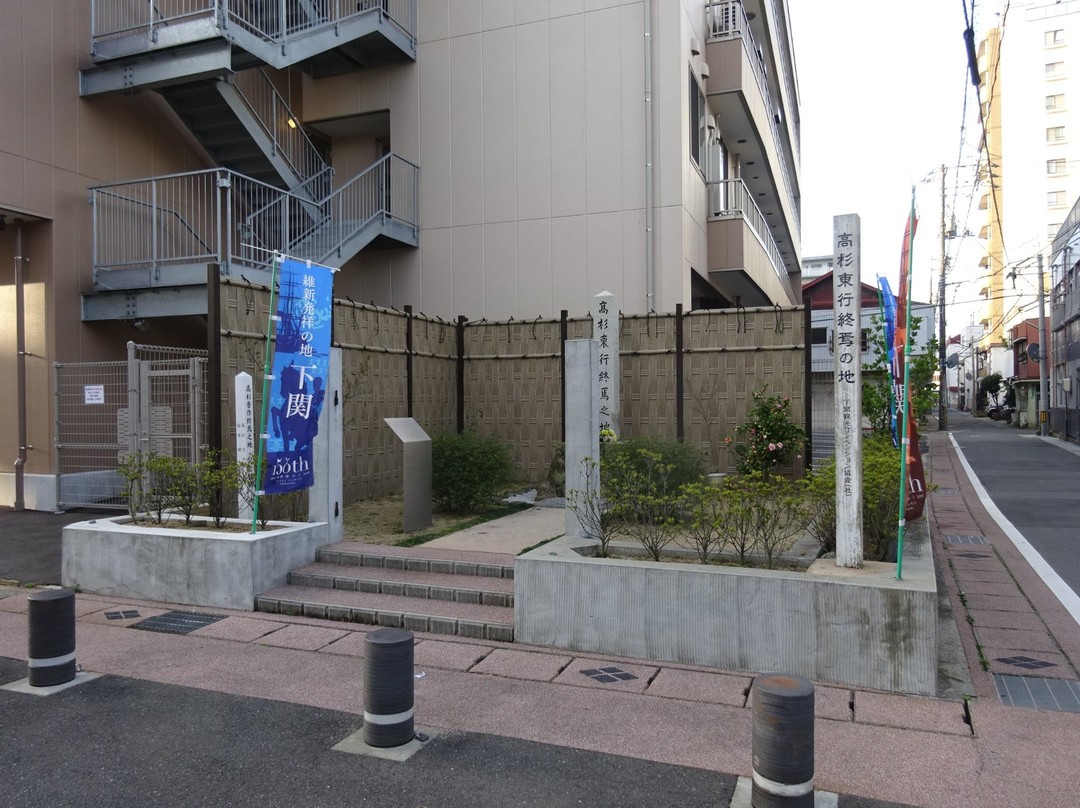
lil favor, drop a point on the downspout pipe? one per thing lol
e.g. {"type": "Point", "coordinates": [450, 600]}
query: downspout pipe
{"type": "Point", "coordinates": [20, 370]}
{"type": "Point", "coordinates": [650, 267]}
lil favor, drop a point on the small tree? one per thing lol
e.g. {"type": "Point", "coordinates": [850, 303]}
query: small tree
{"type": "Point", "coordinates": [990, 388]}
{"type": "Point", "coordinates": [468, 470]}
{"type": "Point", "coordinates": [877, 381]}
{"type": "Point", "coordinates": [781, 513]}
{"type": "Point", "coordinates": [592, 509]}
{"type": "Point", "coordinates": [704, 509]}
{"type": "Point", "coordinates": [642, 499]}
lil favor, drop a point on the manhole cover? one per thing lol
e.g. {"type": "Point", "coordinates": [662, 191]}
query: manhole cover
{"type": "Point", "coordinates": [953, 538]}
{"type": "Point", "coordinates": [127, 614]}
{"type": "Point", "coordinates": [178, 622]}
{"type": "Point", "coordinates": [1037, 693]}
{"type": "Point", "coordinates": [607, 675]}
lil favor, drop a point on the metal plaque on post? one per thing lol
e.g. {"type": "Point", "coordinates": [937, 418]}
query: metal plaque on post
{"type": "Point", "coordinates": [415, 472]}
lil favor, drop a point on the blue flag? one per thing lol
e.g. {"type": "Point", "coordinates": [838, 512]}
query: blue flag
{"type": "Point", "coordinates": [301, 357]}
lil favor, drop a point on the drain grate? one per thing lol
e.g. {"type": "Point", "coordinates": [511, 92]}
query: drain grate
{"type": "Point", "coordinates": [607, 675]}
{"type": "Point", "coordinates": [953, 491]}
{"type": "Point", "coordinates": [973, 555]}
{"type": "Point", "coordinates": [127, 614]}
{"type": "Point", "coordinates": [178, 622]}
{"type": "Point", "coordinates": [953, 538]}
{"type": "Point", "coordinates": [1037, 693]}
{"type": "Point", "coordinates": [1026, 662]}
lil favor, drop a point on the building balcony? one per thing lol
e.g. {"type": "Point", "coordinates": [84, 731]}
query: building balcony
{"type": "Point", "coordinates": [751, 117]}
{"type": "Point", "coordinates": [745, 262]}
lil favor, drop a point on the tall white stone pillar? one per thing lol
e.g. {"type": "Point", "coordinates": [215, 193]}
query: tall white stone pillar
{"type": "Point", "coordinates": [244, 403]}
{"type": "Point", "coordinates": [582, 421]}
{"type": "Point", "coordinates": [847, 379]}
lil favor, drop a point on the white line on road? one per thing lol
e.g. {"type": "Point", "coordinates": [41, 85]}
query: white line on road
{"type": "Point", "coordinates": [1061, 590]}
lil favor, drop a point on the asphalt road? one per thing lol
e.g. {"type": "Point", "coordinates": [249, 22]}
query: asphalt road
{"type": "Point", "coordinates": [1034, 483]}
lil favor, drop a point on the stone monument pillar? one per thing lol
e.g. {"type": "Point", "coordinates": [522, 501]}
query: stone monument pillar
{"type": "Point", "coordinates": [847, 382]}
{"type": "Point", "coordinates": [582, 420]}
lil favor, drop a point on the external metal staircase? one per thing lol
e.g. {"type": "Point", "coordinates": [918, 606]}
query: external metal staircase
{"type": "Point", "coordinates": [154, 238]}
{"type": "Point", "coordinates": [151, 43]}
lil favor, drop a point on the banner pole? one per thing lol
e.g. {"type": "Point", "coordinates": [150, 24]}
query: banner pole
{"type": "Point", "coordinates": [265, 394]}
{"type": "Point", "coordinates": [906, 408]}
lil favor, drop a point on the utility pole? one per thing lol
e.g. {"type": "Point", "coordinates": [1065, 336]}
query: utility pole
{"type": "Point", "coordinates": [943, 379]}
{"type": "Point", "coordinates": [1044, 359]}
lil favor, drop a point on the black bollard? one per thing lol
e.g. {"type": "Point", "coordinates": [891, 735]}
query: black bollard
{"type": "Point", "coordinates": [51, 638]}
{"type": "Point", "coordinates": [783, 742]}
{"type": "Point", "coordinates": [388, 687]}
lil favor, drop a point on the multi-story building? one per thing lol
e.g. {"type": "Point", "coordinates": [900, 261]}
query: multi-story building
{"type": "Point", "coordinates": [1029, 65]}
{"type": "Point", "coordinates": [1063, 312]}
{"type": "Point", "coordinates": [490, 159]}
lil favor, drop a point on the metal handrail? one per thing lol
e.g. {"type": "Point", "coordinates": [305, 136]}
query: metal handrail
{"type": "Point", "coordinates": [727, 20]}
{"type": "Point", "coordinates": [280, 125]}
{"type": "Point", "coordinates": [221, 215]}
{"type": "Point", "coordinates": [275, 22]}
{"type": "Point", "coordinates": [733, 198]}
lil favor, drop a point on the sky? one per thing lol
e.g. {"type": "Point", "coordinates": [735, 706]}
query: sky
{"type": "Point", "coordinates": [882, 89]}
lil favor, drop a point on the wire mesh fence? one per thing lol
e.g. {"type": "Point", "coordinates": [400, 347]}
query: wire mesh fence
{"type": "Point", "coordinates": [154, 402]}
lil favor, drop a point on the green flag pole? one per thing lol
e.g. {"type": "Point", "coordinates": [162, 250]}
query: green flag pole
{"type": "Point", "coordinates": [265, 393]}
{"type": "Point", "coordinates": [906, 395]}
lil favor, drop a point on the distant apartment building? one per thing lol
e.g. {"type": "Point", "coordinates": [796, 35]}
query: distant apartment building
{"type": "Point", "coordinates": [815, 266]}
{"type": "Point", "coordinates": [496, 159]}
{"type": "Point", "coordinates": [1063, 312]}
{"type": "Point", "coordinates": [1030, 175]}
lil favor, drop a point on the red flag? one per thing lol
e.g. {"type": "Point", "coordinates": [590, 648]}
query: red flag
{"type": "Point", "coordinates": [916, 476]}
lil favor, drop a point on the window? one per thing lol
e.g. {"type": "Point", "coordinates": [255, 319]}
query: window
{"type": "Point", "coordinates": [1055, 134]}
{"type": "Point", "coordinates": [819, 336]}
{"type": "Point", "coordinates": [1055, 38]}
{"type": "Point", "coordinates": [1052, 231]}
{"type": "Point", "coordinates": [1055, 199]}
{"type": "Point", "coordinates": [1055, 70]}
{"type": "Point", "coordinates": [698, 129]}
{"type": "Point", "coordinates": [1056, 166]}
{"type": "Point", "coordinates": [1056, 101]}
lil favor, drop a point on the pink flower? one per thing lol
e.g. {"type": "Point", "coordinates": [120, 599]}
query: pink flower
{"type": "Point", "coordinates": [753, 431]}
{"type": "Point", "coordinates": [772, 447]}
{"type": "Point", "coordinates": [779, 446]}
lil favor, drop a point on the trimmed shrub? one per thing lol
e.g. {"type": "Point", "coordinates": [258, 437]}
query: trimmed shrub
{"type": "Point", "coordinates": [468, 470]}
{"type": "Point", "coordinates": [881, 499]}
{"type": "Point", "coordinates": [684, 464]}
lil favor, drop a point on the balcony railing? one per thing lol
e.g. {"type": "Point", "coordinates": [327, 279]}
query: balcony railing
{"type": "Point", "coordinates": [731, 198]}
{"type": "Point", "coordinates": [727, 20]}
{"type": "Point", "coordinates": [275, 21]}
{"type": "Point", "coordinates": [220, 216]}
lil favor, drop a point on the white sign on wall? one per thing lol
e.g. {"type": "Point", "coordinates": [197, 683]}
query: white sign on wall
{"type": "Point", "coordinates": [93, 394]}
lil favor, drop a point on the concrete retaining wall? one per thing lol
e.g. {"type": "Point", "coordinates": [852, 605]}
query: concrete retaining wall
{"type": "Point", "coordinates": [196, 567]}
{"type": "Point", "coordinates": [861, 628]}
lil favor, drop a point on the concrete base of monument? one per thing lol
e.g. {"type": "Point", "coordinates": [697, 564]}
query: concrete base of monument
{"type": "Point", "coordinates": [862, 628]}
{"type": "Point", "coordinates": [194, 566]}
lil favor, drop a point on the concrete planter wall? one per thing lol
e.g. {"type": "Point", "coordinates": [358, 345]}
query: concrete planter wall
{"type": "Point", "coordinates": [860, 628]}
{"type": "Point", "coordinates": [111, 556]}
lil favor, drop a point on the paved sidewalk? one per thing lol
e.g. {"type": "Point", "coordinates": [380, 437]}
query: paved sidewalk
{"type": "Point", "coordinates": [489, 698]}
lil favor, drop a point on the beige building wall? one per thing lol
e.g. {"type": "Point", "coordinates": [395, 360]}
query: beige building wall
{"type": "Point", "coordinates": [532, 169]}
{"type": "Point", "coordinates": [53, 147]}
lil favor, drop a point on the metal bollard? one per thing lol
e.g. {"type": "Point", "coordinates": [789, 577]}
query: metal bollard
{"type": "Point", "coordinates": [51, 638]}
{"type": "Point", "coordinates": [783, 742]}
{"type": "Point", "coordinates": [388, 687]}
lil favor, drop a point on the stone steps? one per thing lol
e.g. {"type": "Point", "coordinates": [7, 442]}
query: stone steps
{"type": "Point", "coordinates": [437, 591]}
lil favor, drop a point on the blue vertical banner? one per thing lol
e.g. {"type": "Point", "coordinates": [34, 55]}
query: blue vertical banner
{"type": "Point", "coordinates": [896, 402]}
{"type": "Point", "coordinates": [301, 357]}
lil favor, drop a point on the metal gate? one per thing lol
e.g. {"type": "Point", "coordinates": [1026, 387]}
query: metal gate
{"type": "Point", "coordinates": [155, 402]}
